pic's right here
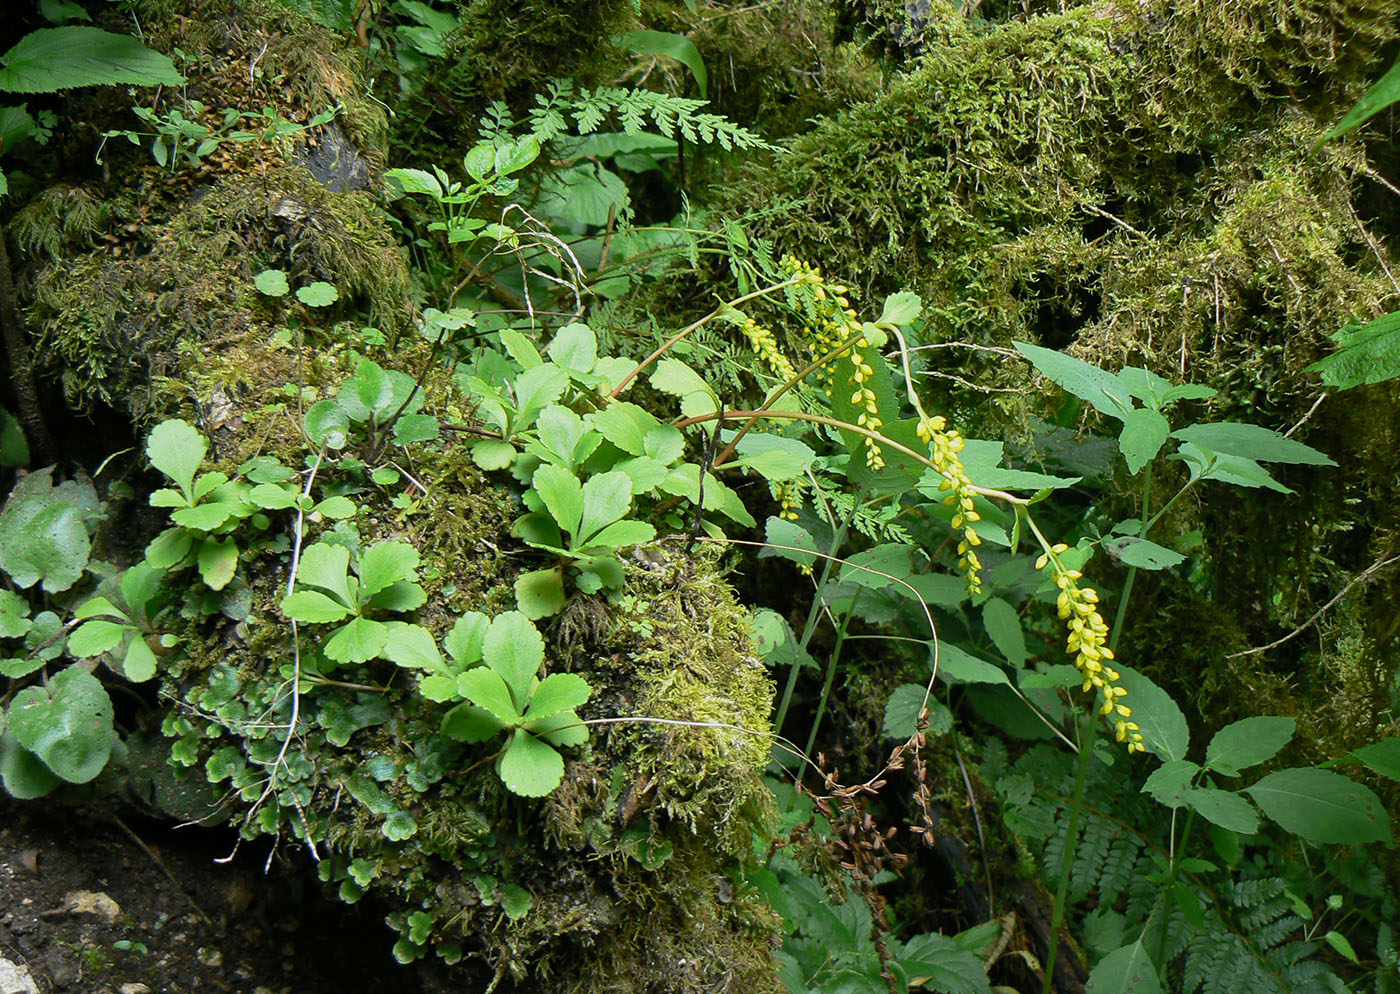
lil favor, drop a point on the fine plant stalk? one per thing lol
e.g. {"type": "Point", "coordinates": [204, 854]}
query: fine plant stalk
{"type": "Point", "coordinates": [818, 598]}
{"type": "Point", "coordinates": [830, 673]}
{"type": "Point", "coordinates": [693, 327]}
{"type": "Point", "coordinates": [1132, 570]}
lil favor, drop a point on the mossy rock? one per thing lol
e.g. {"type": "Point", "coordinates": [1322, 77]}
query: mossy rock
{"type": "Point", "coordinates": [626, 877]}
{"type": "Point", "coordinates": [131, 286]}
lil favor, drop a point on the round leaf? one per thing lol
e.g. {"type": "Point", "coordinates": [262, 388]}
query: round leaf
{"type": "Point", "coordinates": [271, 283]}
{"type": "Point", "coordinates": [67, 724]}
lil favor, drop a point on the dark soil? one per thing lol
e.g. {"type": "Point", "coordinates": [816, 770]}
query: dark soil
{"type": "Point", "coordinates": [103, 904]}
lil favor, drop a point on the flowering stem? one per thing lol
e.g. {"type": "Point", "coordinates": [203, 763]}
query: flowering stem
{"type": "Point", "coordinates": [666, 346]}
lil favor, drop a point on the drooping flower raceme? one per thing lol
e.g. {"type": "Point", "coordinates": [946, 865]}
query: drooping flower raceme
{"type": "Point", "coordinates": [1088, 644]}
{"type": "Point", "coordinates": [944, 445]}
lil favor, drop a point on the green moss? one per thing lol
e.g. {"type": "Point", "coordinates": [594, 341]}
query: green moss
{"type": "Point", "coordinates": [628, 864]}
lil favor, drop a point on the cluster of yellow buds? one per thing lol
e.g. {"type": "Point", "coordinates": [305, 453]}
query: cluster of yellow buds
{"type": "Point", "coordinates": [788, 494]}
{"type": "Point", "coordinates": [864, 398]}
{"type": "Point", "coordinates": [1088, 643]}
{"type": "Point", "coordinates": [766, 347]}
{"type": "Point", "coordinates": [944, 445]}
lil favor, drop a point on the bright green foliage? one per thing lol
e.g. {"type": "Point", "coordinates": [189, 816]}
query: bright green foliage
{"type": "Point", "coordinates": [14, 449]}
{"type": "Point", "coordinates": [124, 634]}
{"type": "Point", "coordinates": [377, 399]}
{"type": "Point", "coordinates": [1367, 353]}
{"type": "Point", "coordinates": [505, 695]}
{"type": "Point", "coordinates": [210, 508]}
{"type": "Point", "coordinates": [385, 580]}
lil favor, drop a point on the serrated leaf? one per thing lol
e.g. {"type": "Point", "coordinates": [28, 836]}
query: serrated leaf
{"type": "Point", "coordinates": [412, 646]}
{"type": "Point", "coordinates": [557, 692]}
{"type": "Point", "coordinates": [217, 561]}
{"type": "Point", "coordinates": [463, 643]}
{"type": "Point", "coordinates": [562, 495]}
{"type": "Point", "coordinates": [574, 347]}
{"type": "Point", "coordinates": [514, 648]}
{"type": "Point", "coordinates": [774, 457]}
{"type": "Point", "coordinates": [902, 713]}
{"type": "Point", "coordinates": [540, 593]}
{"type": "Point", "coordinates": [51, 59]}
{"type": "Point", "coordinates": [1252, 442]}
{"type": "Point", "coordinates": [177, 449]}
{"type": "Point", "coordinates": [327, 566]}
{"type": "Point", "coordinates": [939, 963]}
{"type": "Point", "coordinates": [318, 294]}
{"type": "Point", "coordinates": [469, 723]}
{"type": "Point", "coordinates": [1322, 806]}
{"type": "Point", "coordinates": [492, 454]}
{"type": "Point", "coordinates": [676, 378]}
{"type": "Point", "coordinates": [515, 901]}
{"type": "Point", "coordinates": [357, 641]}
{"type": "Point", "coordinates": [619, 534]}
{"type": "Point", "coordinates": [412, 429]}
{"type": "Point", "coordinates": [139, 662]}
{"type": "Point", "coordinates": [531, 768]}
{"type": "Point", "coordinates": [563, 729]}
{"type": "Point", "coordinates": [169, 548]}
{"type": "Point", "coordinates": [1367, 354]}
{"type": "Point", "coordinates": [1248, 742]}
{"type": "Point", "coordinates": [43, 538]}
{"type": "Point", "coordinates": [385, 563]}
{"type": "Point", "coordinates": [327, 423]}
{"type": "Point", "coordinates": [625, 425]}
{"type": "Point", "coordinates": [606, 498]}
{"type": "Point", "coordinates": [1144, 433]}
{"type": "Point", "coordinates": [271, 283]}
{"type": "Point", "coordinates": [311, 607]}
{"type": "Point", "coordinates": [1101, 389]}
{"type": "Point", "coordinates": [486, 688]}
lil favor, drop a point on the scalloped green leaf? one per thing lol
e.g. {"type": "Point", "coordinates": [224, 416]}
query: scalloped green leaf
{"type": "Point", "coordinates": [531, 768]}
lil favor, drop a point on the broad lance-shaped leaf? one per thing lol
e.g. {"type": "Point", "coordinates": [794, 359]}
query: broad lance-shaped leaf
{"type": "Point", "coordinates": [1322, 806]}
{"type": "Point", "coordinates": [1367, 354]}
{"type": "Point", "coordinates": [1128, 970]}
{"type": "Point", "coordinates": [1224, 808]}
{"type": "Point", "coordinates": [1248, 742]}
{"type": "Point", "coordinates": [1251, 442]}
{"type": "Point", "coordinates": [531, 768]}
{"type": "Point", "coordinates": [51, 59]}
{"type": "Point", "coordinates": [1101, 389]}
{"type": "Point", "coordinates": [1164, 729]}
{"type": "Point", "coordinates": [514, 649]}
